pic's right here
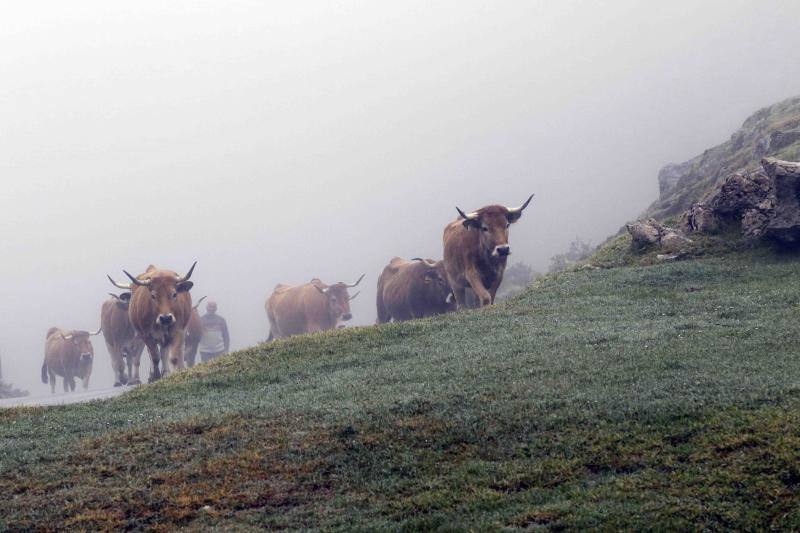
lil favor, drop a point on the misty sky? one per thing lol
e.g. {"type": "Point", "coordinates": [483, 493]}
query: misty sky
{"type": "Point", "coordinates": [278, 141]}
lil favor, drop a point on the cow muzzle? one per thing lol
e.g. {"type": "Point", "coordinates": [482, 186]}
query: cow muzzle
{"type": "Point", "coordinates": [166, 319]}
{"type": "Point", "coordinates": [347, 316]}
{"type": "Point", "coordinates": [502, 251]}
{"type": "Point", "coordinates": [86, 358]}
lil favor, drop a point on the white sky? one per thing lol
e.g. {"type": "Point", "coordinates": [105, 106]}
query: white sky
{"type": "Point", "coordinates": [277, 141]}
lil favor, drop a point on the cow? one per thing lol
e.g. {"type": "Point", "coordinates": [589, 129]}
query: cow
{"type": "Point", "coordinates": [159, 310]}
{"type": "Point", "coordinates": [476, 250]}
{"type": "Point", "coordinates": [194, 332]}
{"type": "Point", "coordinates": [308, 308]}
{"type": "Point", "coordinates": [124, 346]}
{"type": "Point", "coordinates": [412, 289]}
{"type": "Point", "coordinates": [69, 354]}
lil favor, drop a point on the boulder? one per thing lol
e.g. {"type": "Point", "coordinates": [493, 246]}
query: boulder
{"type": "Point", "coordinates": [700, 218]}
{"type": "Point", "coordinates": [783, 224]}
{"type": "Point", "coordinates": [651, 233]}
{"type": "Point", "coordinates": [743, 198]}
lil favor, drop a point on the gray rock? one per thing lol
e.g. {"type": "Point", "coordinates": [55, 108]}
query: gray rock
{"type": "Point", "coordinates": [651, 233]}
{"type": "Point", "coordinates": [700, 218]}
{"type": "Point", "coordinates": [669, 176]}
{"type": "Point", "coordinates": [781, 139]}
{"type": "Point", "coordinates": [784, 223]}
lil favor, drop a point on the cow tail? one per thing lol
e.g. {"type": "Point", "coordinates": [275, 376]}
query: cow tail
{"type": "Point", "coordinates": [44, 372]}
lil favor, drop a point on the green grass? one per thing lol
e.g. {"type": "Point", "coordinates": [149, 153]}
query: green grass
{"type": "Point", "coordinates": [639, 397]}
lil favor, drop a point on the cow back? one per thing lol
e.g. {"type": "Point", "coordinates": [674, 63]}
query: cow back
{"type": "Point", "coordinates": [294, 309]}
{"type": "Point", "coordinates": [60, 353]}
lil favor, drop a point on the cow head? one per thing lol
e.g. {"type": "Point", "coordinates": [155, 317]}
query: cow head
{"type": "Point", "coordinates": [164, 291]}
{"type": "Point", "coordinates": [81, 341]}
{"type": "Point", "coordinates": [338, 298]}
{"type": "Point", "coordinates": [492, 223]}
{"type": "Point", "coordinates": [122, 300]}
{"type": "Point", "coordinates": [435, 280]}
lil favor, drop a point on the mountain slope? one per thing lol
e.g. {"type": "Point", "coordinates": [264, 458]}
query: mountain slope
{"type": "Point", "coordinates": [679, 408]}
{"type": "Point", "coordinates": [773, 131]}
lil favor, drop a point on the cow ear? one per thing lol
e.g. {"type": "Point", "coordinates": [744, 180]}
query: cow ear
{"type": "Point", "coordinates": [184, 286]}
{"type": "Point", "coordinates": [471, 223]}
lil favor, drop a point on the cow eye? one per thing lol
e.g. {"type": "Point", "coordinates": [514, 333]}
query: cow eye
{"type": "Point", "coordinates": [153, 295]}
{"type": "Point", "coordinates": [174, 295]}
{"type": "Point", "coordinates": [484, 228]}
{"type": "Point", "coordinates": [508, 225]}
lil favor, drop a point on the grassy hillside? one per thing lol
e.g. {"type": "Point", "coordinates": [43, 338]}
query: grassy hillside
{"type": "Point", "coordinates": [772, 131]}
{"type": "Point", "coordinates": [664, 396]}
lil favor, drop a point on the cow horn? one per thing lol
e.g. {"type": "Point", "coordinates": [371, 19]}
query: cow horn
{"type": "Point", "coordinates": [188, 274]}
{"type": "Point", "coordinates": [517, 211]}
{"type": "Point", "coordinates": [357, 282]}
{"type": "Point", "coordinates": [117, 298]}
{"type": "Point", "coordinates": [96, 332]}
{"type": "Point", "coordinates": [353, 297]}
{"type": "Point", "coordinates": [471, 216]}
{"type": "Point", "coordinates": [66, 337]}
{"type": "Point", "coordinates": [139, 282]}
{"type": "Point", "coordinates": [118, 285]}
{"type": "Point", "coordinates": [195, 306]}
{"type": "Point", "coordinates": [428, 262]}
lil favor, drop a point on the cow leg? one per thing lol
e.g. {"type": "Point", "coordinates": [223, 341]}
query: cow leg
{"type": "Point", "coordinates": [155, 359]}
{"type": "Point", "coordinates": [459, 296]}
{"type": "Point", "coordinates": [176, 352]}
{"type": "Point", "coordinates": [164, 350]}
{"type": "Point", "coordinates": [85, 382]}
{"type": "Point", "coordinates": [52, 376]}
{"type": "Point", "coordinates": [134, 359]}
{"type": "Point", "coordinates": [474, 280]}
{"type": "Point", "coordinates": [191, 353]}
{"type": "Point", "coordinates": [119, 367]}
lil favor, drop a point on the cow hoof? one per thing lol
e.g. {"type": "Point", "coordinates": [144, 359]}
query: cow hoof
{"type": "Point", "coordinates": [117, 384]}
{"type": "Point", "coordinates": [134, 382]}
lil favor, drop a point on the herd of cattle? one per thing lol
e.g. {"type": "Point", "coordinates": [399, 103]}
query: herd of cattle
{"type": "Point", "coordinates": [155, 310]}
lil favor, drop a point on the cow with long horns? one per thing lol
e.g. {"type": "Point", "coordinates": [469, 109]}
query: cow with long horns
{"type": "Point", "coordinates": [159, 310]}
{"type": "Point", "coordinates": [476, 250]}
{"type": "Point", "coordinates": [412, 289]}
{"type": "Point", "coordinates": [308, 308]}
{"type": "Point", "coordinates": [124, 346]}
{"type": "Point", "coordinates": [69, 354]}
{"type": "Point", "coordinates": [194, 332]}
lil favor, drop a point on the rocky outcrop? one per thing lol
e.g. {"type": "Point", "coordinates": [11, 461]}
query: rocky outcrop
{"type": "Point", "coordinates": [650, 233]}
{"type": "Point", "coordinates": [763, 203]}
{"type": "Point", "coordinates": [669, 176]}
{"type": "Point", "coordinates": [783, 224]}
{"type": "Point", "coordinates": [770, 132]}
{"type": "Point", "coordinates": [744, 199]}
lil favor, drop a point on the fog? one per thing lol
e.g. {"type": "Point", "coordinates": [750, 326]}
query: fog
{"type": "Point", "coordinates": [276, 142]}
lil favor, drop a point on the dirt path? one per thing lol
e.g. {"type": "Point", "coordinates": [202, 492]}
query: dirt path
{"type": "Point", "coordinates": [63, 398]}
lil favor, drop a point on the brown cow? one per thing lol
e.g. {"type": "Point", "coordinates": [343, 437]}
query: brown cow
{"type": "Point", "coordinates": [159, 310]}
{"type": "Point", "coordinates": [68, 354]}
{"type": "Point", "coordinates": [308, 308]}
{"type": "Point", "coordinates": [124, 346]}
{"type": "Point", "coordinates": [412, 289]}
{"type": "Point", "coordinates": [476, 250]}
{"type": "Point", "coordinates": [194, 332]}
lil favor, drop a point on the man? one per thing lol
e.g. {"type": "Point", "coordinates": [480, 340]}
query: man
{"type": "Point", "coordinates": [215, 340]}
